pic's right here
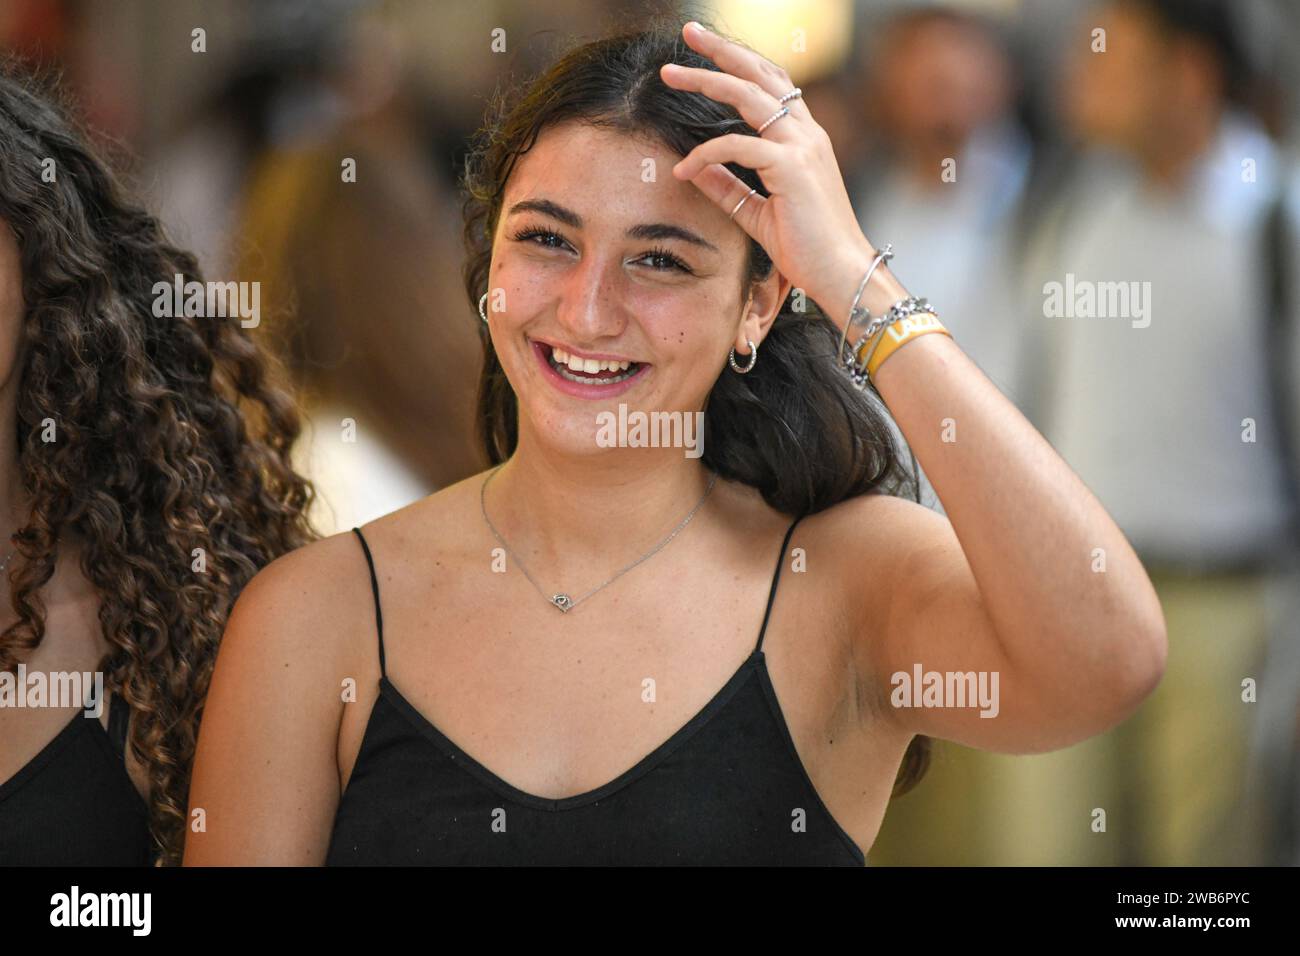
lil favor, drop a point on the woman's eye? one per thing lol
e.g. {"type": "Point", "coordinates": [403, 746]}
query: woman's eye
{"type": "Point", "coordinates": [670, 261]}
{"type": "Point", "coordinates": [661, 259]}
{"type": "Point", "coordinates": [544, 235]}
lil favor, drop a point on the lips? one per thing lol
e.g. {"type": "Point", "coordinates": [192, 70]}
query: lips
{"type": "Point", "coordinates": [588, 377]}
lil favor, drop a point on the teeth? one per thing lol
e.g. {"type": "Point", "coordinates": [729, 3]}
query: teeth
{"type": "Point", "coordinates": [576, 369]}
{"type": "Point", "coordinates": [589, 366]}
{"type": "Point", "coordinates": [573, 377]}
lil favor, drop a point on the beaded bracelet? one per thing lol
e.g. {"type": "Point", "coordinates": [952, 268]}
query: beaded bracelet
{"type": "Point", "coordinates": [897, 312]}
{"type": "Point", "coordinates": [882, 331]}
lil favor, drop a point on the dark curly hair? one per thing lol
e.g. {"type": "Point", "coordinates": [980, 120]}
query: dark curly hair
{"type": "Point", "coordinates": [795, 428]}
{"type": "Point", "coordinates": [171, 436]}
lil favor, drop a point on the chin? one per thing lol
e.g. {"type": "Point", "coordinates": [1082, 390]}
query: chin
{"type": "Point", "coordinates": [571, 432]}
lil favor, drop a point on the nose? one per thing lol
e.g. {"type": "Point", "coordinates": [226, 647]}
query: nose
{"type": "Point", "coordinates": [591, 304]}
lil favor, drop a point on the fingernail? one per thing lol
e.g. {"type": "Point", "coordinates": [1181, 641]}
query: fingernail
{"type": "Point", "coordinates": [695, 25]}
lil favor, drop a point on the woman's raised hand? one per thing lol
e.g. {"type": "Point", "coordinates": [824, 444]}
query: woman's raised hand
{"type": "Point", "coordinates": [806, 224]}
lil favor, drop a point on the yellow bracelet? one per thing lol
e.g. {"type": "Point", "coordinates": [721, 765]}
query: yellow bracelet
{"type": "Point", "coordinates": [898, 334]}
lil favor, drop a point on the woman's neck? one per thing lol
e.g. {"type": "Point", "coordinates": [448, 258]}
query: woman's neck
{"type": "Point", "coordinates": [567, 514]}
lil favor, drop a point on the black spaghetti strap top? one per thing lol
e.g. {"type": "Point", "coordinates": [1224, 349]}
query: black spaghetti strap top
{"type": "Point", "coordinates": [727, 788]}
{"type": "Point", "coordinates": [73, 804]}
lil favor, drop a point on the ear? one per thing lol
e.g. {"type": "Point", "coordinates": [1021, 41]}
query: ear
{"type": "Point", "coordinates": [761, 309]}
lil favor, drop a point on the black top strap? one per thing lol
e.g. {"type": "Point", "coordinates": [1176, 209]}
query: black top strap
{"type": "Point", "coordinates": [776, 577]}
{"type": "Point", "coordinates": [374, 587]}
{"type": "Point", "coordinates": [119, 719]}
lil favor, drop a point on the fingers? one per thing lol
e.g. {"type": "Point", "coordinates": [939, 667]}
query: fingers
{"type": "Point", "coordinates": [744, 63]}
{"type": "Point", "coordinates": [752, 102]}
{"type": "Point", "coordinates": [752, 152]}
{"type": "Point", "coordinates": [726, 189]}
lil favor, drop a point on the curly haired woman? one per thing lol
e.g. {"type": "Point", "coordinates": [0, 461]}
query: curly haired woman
{"type": "Point", "coordinates": [581, 656]}
{"type": "Point", "coordinates": [146, 480]}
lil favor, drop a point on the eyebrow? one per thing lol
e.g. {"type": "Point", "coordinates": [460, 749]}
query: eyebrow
{"type": "Point", "coordinates": [646, 230]}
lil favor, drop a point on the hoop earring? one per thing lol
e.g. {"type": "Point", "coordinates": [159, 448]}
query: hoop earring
{"type": "Point", "coordinates": [753, 357]}
{"type": "Point", "coordinates": [482, 314]}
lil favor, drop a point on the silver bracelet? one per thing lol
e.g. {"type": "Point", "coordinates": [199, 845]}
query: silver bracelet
{"type": "Point", "coordinates": [856, 312]}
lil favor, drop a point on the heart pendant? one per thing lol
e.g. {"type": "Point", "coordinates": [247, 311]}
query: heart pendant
{"type": "Point", "coordinates": [562, 601]}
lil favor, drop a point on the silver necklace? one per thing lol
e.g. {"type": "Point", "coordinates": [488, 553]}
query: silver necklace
{"type": "Point", "coordinates": [562, 600]}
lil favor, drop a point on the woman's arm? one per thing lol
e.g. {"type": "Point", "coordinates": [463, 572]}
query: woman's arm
{"type": "Point", "coordinates": [266, 785]}
{"type": "Point", "coordinates": [1027, 577]}
{"type": "Point", "coordinates": [1011, 582]}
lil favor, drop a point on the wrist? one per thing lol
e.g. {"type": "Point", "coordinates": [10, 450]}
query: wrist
{"type": "Point", "coordinates": [882, 291]}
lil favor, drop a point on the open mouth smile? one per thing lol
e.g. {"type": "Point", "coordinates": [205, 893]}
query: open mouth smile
{"type": "Point", "coordinates": [587, 377]}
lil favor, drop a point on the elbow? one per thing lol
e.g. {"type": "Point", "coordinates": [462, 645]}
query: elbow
{"type": "Point", "coordinates": [1148, 652]}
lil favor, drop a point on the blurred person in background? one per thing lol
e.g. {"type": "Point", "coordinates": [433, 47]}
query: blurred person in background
{"type": "Point", "coordinates": [354, 228]}
{"type": "Point", "coordinates": [341, 214]}
{"type": "Point", "coordinates": [1175, 403]}
{"type": "Point", "coordinates": [947, 169]}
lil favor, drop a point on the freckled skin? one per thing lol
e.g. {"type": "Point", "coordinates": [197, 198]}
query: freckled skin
{"type": "Point", "coordinates": [600, 291]}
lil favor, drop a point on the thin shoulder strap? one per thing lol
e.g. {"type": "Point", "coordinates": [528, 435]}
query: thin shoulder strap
{"type": "Point", "coordinates": [776, 577]}
{"type": "Point", "coordinates": [119, 719]}
{"type": "Point", "coordinates": [374, 588]}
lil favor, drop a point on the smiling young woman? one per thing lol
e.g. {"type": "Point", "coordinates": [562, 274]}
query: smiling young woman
{"type": "Point", "coordinates": [587, 659]}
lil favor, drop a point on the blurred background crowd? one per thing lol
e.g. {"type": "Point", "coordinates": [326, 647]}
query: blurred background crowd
{"type": "Point", "coordinates": [1144, 155]}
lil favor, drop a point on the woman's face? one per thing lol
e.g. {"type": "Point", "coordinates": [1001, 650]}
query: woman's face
{"type": "Point", "coordinates": [601, 255]}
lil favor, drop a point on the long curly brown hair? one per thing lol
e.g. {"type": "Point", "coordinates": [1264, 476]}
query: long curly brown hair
{"type": "Point", "coordinates": [172, 435]}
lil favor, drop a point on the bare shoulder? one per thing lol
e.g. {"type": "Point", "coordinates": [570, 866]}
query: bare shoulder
{"type": "Point", "coordinates": [297, 605]}
{"type": "Point", "coordinates": [319, 597]}
{"type": "Point", "coordinates": [874, 532]}
{"type": "Point", "coordinates": [292, 645]}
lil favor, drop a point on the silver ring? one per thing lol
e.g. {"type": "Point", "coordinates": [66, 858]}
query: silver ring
{"type": "Point", "coordinates": [783, 111]}
{"type": "Point", "coordinates": [753, 357]}
{"type": "Point", "coordinates": [741, 203]}
{"type": "Point", "coordinates": [794, 94]}
{"type": "Point", "coordinates": [482, 314]}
